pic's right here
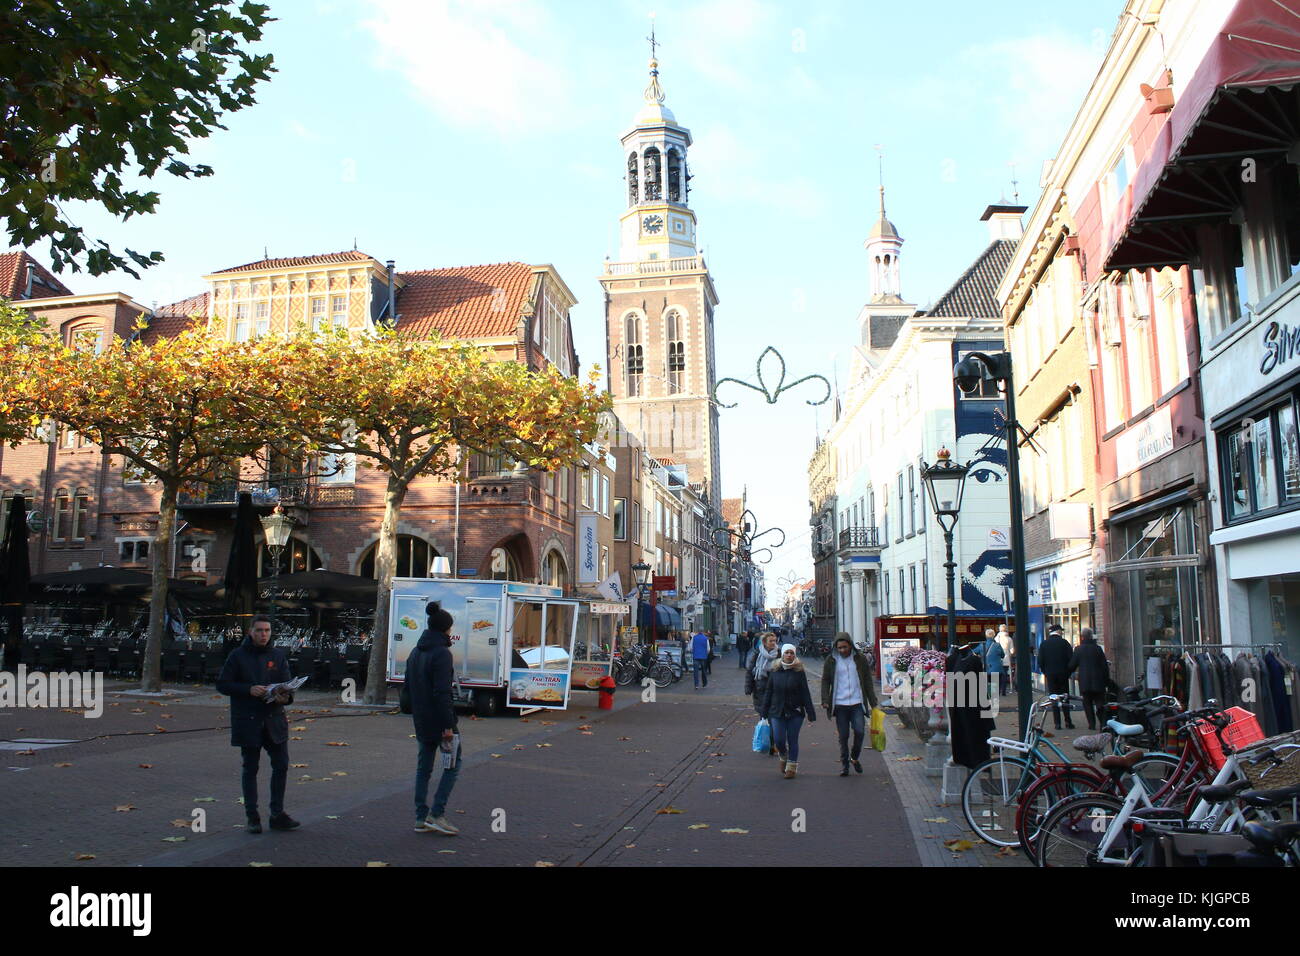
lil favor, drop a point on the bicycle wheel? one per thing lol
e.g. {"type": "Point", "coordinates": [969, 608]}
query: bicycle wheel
{"type": "Point", "coordinates": [989, 798]}
{"type": "Point", "coordinates": [624, 674]}
{"type": "Point", "coordinates": [1154, 770]}
{"type": "Point", "coordinates": [1073, 830]}
{"type": "Point", "coordinates": [1045, 793]}
{"type": "Point", "coordinates": [661, 674]}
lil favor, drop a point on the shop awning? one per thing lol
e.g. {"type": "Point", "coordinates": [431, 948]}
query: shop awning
{"type": "Point", "coordinates": [1235, 106]}
{"type": "Point", "coordinates": [666, 618]}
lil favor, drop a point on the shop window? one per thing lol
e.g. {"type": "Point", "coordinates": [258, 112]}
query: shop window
{"type": "Point", "coordinates": [295, 557]}
{"type": "Point", "coordinates": [1261, 463]}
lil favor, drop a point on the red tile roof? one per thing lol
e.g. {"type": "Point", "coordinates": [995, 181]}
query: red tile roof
{"type": "Point", "coordinates": [170, 319]}
{"type": "Point", "coordinates": [13, 278]}
{"type": "Point", "coordinates": [466, 302]}
{"type": "Point", "coordinates": [329, 258]}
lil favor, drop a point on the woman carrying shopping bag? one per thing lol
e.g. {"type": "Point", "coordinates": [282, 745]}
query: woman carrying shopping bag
{"type": "Point", "coordinates": [757, 673]}
{"type": "Point", "coordinates": [787, 702]}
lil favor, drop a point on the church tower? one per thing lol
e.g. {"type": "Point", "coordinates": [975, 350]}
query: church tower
{"type": "Point", "coordinates": [660, 300]}
{"type": "Point", "coordinates": [883, 247]}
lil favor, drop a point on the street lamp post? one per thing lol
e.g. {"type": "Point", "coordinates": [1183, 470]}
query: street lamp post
{"type": "Point", "coordinates": [642, 572]}
{"type": "Point", "coordinates": [968, 373]}
{"type": "Point", "coordinates": [276, 526]}
{"type": "Point", "coordinates": [945, 481]}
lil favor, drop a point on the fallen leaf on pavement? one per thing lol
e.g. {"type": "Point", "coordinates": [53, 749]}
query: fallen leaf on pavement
{"type": "Point", "coordinates": [698, 826]}
{"type": "Point", "coordinates": [165, 717]}
{"type": "Point", "coordinates": [63, 765]}
{"type": "Point", "coordinates": [543, 745]}
{"type": "Point", "coordinates": [336, 743]}
{"type": "Point", "coordinates": [138, 710]}
{"type": "Point", "coordinates": [160, 728]}
{"type": "Point", "coordinates": [124, 808]}
{"type": "Point", "coordinates": [548, 723]}
{"type": "Point", "coordinates": [376, 863]}
{"type": "Point", "coordinates": [340, 773]}
{"type": "Point", "coordinates": [446, 851]}
{"type": "Point", "coordinates": [543, 863]}
{"type": "Point", "coordinates": [331, 816]}
{"type": "Point", "coordinates": [84, 856]}
{"type": "Point", "coordinates": [146, 766]}
{"type": "Point", "coordinates": [733, 830]}
{"type": "Point", "coordinates": [901, 759]}
{"type": "Point", "coordinates": [624, 738]}
{"type": "Point", "coordinates": [205, 799]}
{"type": "Point", "coordinates": [173, 839]}
{"type": "Point", "coordinates": [496, 755]}
{"type": "Point", "coordinates": [936, 819]}
{"type": "Point", "coordinates": [669, 809]}
{"type": "Point", "coordinates": [629, 846]}
{"type": "Point", "coordinates": [185, 824]}
{"type": "Point", "coordinates": [517, 747]}
{"type": "Point", "coordinates": [26, 753]}
{"type": "Point", "coordinates": [261, 864]}
{"type": "Point", "coordinates": [958, 846]}
{"type": "Point", "coordinates": [299, 738]}
{"type": "Point", "coordinates": [584, 726]}
{"type": "Point", "coordinates": [587, 733]}
{"type": "Point", "coordinates": [298, 728]}
{"type": "Point", "coordinates": [1006, 851]}
{"type": "Point", "coordinates": [299, 766]}
{"type": "Point", "coordinates": [719, 790]}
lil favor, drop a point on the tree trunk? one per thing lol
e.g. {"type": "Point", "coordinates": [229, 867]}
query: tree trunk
{"type": "Point", "coordinates": [151, 663]}
{"type": "Point", "coordinates": [385, 568]}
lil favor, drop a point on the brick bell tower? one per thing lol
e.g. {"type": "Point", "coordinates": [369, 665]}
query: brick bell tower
{"type": "Point", "coordinates": [660, 300]}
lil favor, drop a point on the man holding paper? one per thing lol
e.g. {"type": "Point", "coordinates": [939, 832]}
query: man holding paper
{"type": "Point", "coordinates": [258, 682]}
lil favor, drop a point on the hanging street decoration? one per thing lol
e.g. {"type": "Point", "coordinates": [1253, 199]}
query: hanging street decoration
{"type": "Point", "coordinates": [772, 394]}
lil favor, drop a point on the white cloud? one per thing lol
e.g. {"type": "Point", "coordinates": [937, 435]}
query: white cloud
{"type": "Point", "coordinates": [472, 61]}
{"type": "Point", "coordinates": [304, 133]}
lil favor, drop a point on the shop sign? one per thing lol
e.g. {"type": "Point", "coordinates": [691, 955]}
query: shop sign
{"type": "Point", "coordinates": [588, 547]}
{"type": "Point", "coordinates": [1139, 446]}
{"type": "Point", "coordinates": [587, 674]}
{"type": "Point", "coordinates": [890, 648]}
{"type": "Point", "coordinates": [538, 688]}
{"type": "Point", "coordinates": [1068, 583]}
{"type": "Point", "coordinates": [1281, 345]}
{"type": "Point", "coordinates": [1068, 519]}
{"type": "Point", "coordinates": [598, 607]}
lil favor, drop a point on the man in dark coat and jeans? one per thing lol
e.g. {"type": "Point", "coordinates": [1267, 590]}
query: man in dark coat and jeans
{"type": "Point", "coordinates": [430, 676]}
{"type": "Point", "coordinates": [1089, 660]}
{"type": "Point", "coordinates": [256, 722]}
{"type": "Point", "coordinates": [1054, 656]}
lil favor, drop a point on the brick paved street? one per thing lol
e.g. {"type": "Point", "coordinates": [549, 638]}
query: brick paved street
{"type": "Point", "coordinates": [582, 787]}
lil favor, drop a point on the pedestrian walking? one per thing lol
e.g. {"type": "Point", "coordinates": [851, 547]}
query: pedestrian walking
{"type": "Point", "coordinates": [257, 719]}
{"type": "Point", "coordinates": [993, 661]}
{"type": "Point", "coordinates": [701, 651]}
{"type": "Point", "coordinates": [1054, 656]}
{"type": "Point", "coordinates": [787, 702]}
{"type": "Point", "coordinates": [430, 674]}
{"type": "Point", "coordinates": [847, 689]}
{"type": "Point", "coordinates": [1089, 660]}
{"type": "Point", "coordinates": [743, 644]}
{"type": "Point", "coordinates": [759, 670]}
{"type": "Point", "coordinates": [1008, 656]}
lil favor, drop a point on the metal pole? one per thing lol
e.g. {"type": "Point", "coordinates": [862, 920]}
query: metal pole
{"type": "Point", "coordinates": [950, 568]}
{"type": "Point", "coordinates": [1020, 580]}
{"type": "Point", "coordinates": [275, 584]}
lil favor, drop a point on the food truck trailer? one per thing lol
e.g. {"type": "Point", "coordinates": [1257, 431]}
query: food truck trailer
{"type": "Point", "coordinates": [511, 643]}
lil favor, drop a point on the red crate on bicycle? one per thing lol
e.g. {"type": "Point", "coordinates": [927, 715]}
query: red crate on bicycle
{"type": "Point", "coordinates": [1242, 732]}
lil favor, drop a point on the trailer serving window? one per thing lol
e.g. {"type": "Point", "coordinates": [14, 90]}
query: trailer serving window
{"type": "Point", "coordinates": [542, 634]}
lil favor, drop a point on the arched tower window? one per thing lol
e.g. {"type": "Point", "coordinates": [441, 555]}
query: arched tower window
{"type": "Point", "coordinates": [674, 176]}
{"type": "Point", "coordinates": [635, 355]}
{"type": "Point", "coordinates": [673, 335]}
{"type": "Point", "coordinates": [633, 180]}
{"type": "Point", "coordinates": [653, 174]}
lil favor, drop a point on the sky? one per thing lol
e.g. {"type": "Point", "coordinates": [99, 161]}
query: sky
{"type": "Point", "coordinates": [456, 132]}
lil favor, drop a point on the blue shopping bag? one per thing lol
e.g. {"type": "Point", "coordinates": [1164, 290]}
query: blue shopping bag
{"type": "Point", "coordinates": [762, 737]}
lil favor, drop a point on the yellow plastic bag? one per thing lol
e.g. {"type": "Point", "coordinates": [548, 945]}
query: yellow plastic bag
{"type": "Point", "coordinates": [877, 729]}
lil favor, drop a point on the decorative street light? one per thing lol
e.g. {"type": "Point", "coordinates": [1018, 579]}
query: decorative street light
{"type": "Point", "coordinates": [945, 481]}
{"type": "Point", "coordinates": [276, 526]}
{"type": "Point", "coordinates": [975, 368]}
{"type": "Point", "coordinates": [642, 572]}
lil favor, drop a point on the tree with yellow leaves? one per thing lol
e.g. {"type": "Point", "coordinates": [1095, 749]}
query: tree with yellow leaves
{"type": "Point", "coordinates": [408, 407]}
{"type": "Point", "coordinates": [173, 409]}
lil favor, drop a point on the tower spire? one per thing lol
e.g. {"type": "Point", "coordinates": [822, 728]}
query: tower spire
{"type": "Point", "coordinates": [654, 93]}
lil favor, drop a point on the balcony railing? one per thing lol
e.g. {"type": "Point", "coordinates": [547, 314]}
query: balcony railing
{"type": "Point", "coordinates": [859, 538]}
{"type": "Point", "coordinates": [289, 491]}
{"type": "Point", "coordinates": [654, 266]}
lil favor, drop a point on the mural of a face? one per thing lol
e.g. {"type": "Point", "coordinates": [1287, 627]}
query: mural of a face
{"type": "Point", "coordinates": [983, 580]}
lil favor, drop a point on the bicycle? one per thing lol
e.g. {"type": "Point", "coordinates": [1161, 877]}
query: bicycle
{"type": "Point", "coordinates": [991, 796]}
{"type": "Point", "coordinates": [1094, 829]}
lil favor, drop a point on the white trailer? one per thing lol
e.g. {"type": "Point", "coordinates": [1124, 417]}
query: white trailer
{"type": "Point", "coordinates": [512, 643]}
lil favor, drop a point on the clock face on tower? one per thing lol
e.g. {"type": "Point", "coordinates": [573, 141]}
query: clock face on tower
{"type": "Point", "coordinates": [653, 224]}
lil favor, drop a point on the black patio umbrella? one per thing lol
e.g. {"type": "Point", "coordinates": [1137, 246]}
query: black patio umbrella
{"type": "Point", "coordinates": [15, 578]}
{"type": "Point", "coordinates": [241, 569]}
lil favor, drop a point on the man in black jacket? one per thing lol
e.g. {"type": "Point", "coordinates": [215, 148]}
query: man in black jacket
{"type": "Point", "coordinates": [1054, 656]}
{"type": "Point", "coordinates": [430, 676]}
{"type": "Point", "coordinates": [257, 722]}
{"type": "Point", "coordinates": [1090, 661]}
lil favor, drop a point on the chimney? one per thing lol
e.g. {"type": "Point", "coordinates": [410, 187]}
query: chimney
{"type": "Point", "coordinates": [392, 293]}
{"type": "Point", "coordinates": [1004, 221]}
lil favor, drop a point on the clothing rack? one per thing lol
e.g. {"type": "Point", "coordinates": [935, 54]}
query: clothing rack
{"type": "Point", "coordinates": [1199, 646]}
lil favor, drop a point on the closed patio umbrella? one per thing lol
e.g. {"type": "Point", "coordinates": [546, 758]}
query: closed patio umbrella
{"type": "Point", "coordinates": [241, 569]}
{"type": "Point", "coordinates": [15, 577]}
